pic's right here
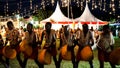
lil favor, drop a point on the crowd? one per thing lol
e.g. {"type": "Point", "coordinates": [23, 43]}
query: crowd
{"type": "Point", "coordinates": [66, 43]}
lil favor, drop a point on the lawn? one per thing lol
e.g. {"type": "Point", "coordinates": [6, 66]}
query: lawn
{"type": "Point", "coordinates": [65, 64]}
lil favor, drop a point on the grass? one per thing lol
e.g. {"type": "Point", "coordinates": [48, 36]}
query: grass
{"type": "Point", "coordinates": [65, 64]}
{"type": "Point", "coordinates": [117, 42]}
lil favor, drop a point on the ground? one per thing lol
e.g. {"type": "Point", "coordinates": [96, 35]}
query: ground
{"type": "Point", "coordinates": [64, 64]}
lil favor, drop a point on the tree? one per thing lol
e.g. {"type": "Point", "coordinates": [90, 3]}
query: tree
{"type": "Point", "coordinates": [42, 14]}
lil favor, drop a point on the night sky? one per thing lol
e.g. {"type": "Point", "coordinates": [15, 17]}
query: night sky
{"type": "Point", "coordinates": [23, 7]}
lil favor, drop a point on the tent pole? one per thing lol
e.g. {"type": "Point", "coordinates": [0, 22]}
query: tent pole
{"type": "Point", "coordinates": [68, 8]}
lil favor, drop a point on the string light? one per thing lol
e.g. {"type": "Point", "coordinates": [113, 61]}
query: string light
{"type": "Point", "coordinates": [104, 6]}
{"type": "Point", "coordinates": [64, 3]}
{"type": "Point", "coordinates": [30, 4]}
{"type": "Point", "coordinates": [7, 6]}
{"type": "Point", "coordinates": [81, 5]}
{"type": "Point", "coordinates": [113, 7]}
{"type": "Point", "coordinates": [18, 8]}
{"type": "Point", "coordinates": [108, 6]}
{"type": "Point", "coordinates": [5, 9]}
{"type": "Point", "coordinates": [43, 4]}
{"type": "Point", "coordinates": [93, 4]}
{"type": "Point", "coordinates": [78, 3]}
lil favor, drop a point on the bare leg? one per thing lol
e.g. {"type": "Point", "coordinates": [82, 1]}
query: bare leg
{"type": "Point", "coordinates": [76, 64]}
{"type": "Point", "coordinates": [1, 60]}
{"type": "Point", "coordinates": [112, 65]}
{"type": "Point", "coordinates": [55, 61]}
{"type": "Point", "coordinates": [19, 59]}
{"type": "Point", "coordinates": [7, 62]}
{"type": "Point", "coordinates": [73, 58]}
{"type": "Point", "coordinates": [39, 64]}
{"type": "Point", "coordinates": [91, 64]}
{"type": "Point", "coordinates": [101, 64]}
{"type": "Point", "coordinates": [24, 63]}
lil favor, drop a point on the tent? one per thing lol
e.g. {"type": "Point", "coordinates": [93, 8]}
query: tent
{"type": "Point", "coordinates": [89, 18]}
{"type": "Point", "coordinates": [57, 18]}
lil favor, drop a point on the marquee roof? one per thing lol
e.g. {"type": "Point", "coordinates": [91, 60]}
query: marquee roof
{"type": "Point", "coordinates": [57, 16]}
{"type": "Point", "coordinates": [87, 16]}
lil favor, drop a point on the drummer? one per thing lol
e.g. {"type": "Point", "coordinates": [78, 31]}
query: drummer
{"type": "Point", "coordinates": [30, 36]}
{"type": "Point", "coordinates": [49, 35]}
{"type": "Point", "coordinates": [13, 37]}
{"type": "Point", "coordinates": [85, 39]}
{"type": "Point", "coordinates": [67, 38]}
{"type": "Point", "coordinates": [1, 48]}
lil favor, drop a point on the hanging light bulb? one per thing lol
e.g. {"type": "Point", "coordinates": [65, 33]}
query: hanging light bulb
{"type": "Point", "coordinates": [52, 1]}
{"type": "Point", "coordinates": [87, 1]}
{"type": "Point", "coordinates": [103, 9]}
{"type": "Point", "coordinates": [13, 13]}
{"type": "Point", "coordinates": [113, 9]}
{"type": "Point", "coordinates": [95, 6]}
{"type": "Point", "coordinates": [110, 12]}
{"type": "Point", "coordinates": [118, 16]}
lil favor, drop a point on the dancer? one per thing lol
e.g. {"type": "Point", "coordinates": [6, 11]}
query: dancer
{"type": "Point", "coordinates": [105, 45]}
{"type": "Point", "coordinates": [30, 37]}
{"type": "Point", "coordinates": [13, 36]}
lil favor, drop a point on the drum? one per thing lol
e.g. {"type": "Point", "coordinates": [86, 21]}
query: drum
{"type": "Point", "coordinates": [85, 54]}
{"type": "Point", "coordinates": [115, 56]}
{"type": "Point", "coordinates": [25, 48]}
{"type": "Point", "coordinates": [9, 52]}
{"type": "Point", "coordinates": [22, 44]}
{"type": "Point", "coordinates": [44, 56]}
{"type": "Point", "coordinates": [65, 54]}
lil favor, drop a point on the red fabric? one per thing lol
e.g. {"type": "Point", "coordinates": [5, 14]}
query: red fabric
{"type": "Point", "coordinates": [100, 23]}
{"type": "Point", "coordinates": [94, 22]}
{"type": "Point", "coordinates": [85, 22]}
{"type": "Point", "coordinates": [67, 22]}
